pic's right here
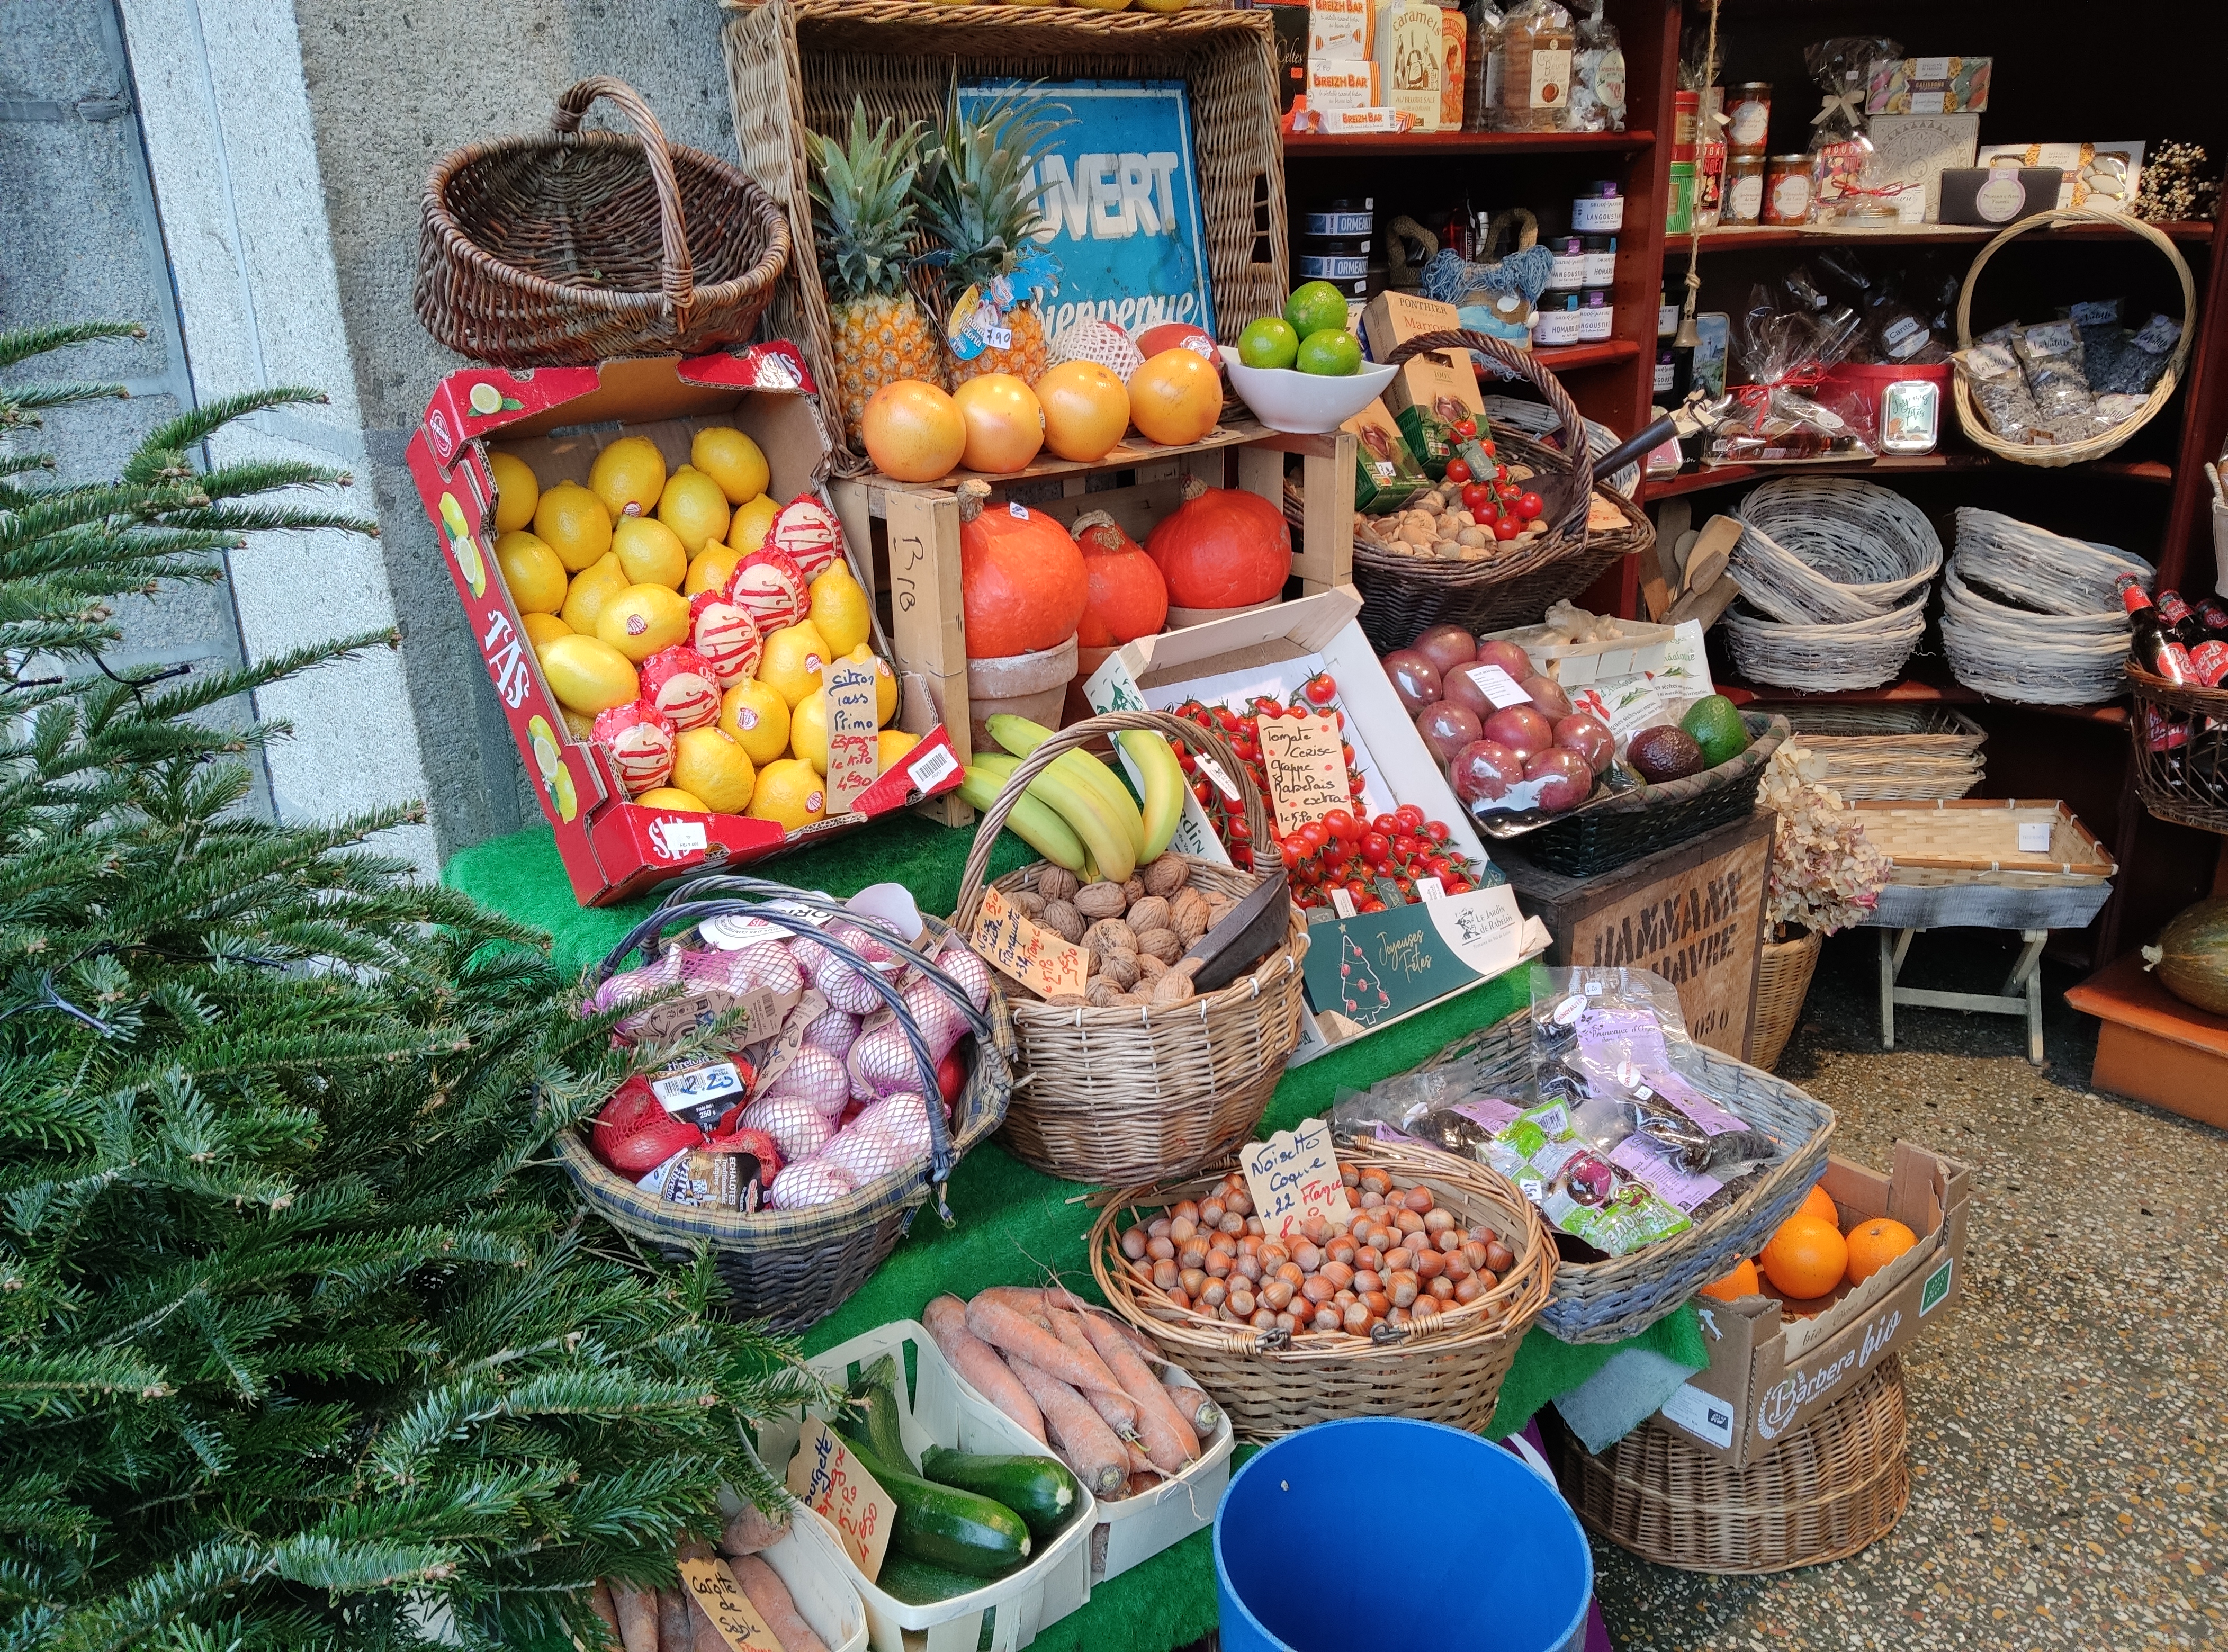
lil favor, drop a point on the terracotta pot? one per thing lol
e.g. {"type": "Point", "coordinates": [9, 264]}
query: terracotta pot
{"type": "Point", "coordinates": [1180, 618]}
{"type": "Point", "coordinates": [1024, 685]}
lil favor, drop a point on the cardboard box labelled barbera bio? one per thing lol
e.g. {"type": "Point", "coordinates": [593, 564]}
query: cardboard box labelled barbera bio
{"type": "Point", "coordinates": [557, 419]}
{"type": "Point", "coordinates": [1769, 1375]}
{"type": "Point", "coordinates": [1412, 956]}
{"type": "Point", "coordinates": [1430, 392]}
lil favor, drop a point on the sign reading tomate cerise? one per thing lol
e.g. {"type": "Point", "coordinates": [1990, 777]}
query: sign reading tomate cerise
{"type": "Point", "coordinates": [1305, 760]}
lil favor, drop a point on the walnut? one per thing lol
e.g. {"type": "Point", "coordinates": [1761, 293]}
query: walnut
{"type": "Point", "coordinates": [1167, 874]}
{"type": "Point", "coordinates": [1111, 935]}
{"type": "Point", "coordinates": [1066, 1000]}
{"type": "Point", "coordinates": [1151, 913]}
{"type": "Point", "coordinates": [1150, 970]}
{"type": "Point", "coordinates": [1063, 920]}
{"type": "Point", "coordinates": [1057, 883]}
{"type": "Point", "coordinates": [1187, 915]}
{"type": "Point", "coordinates": [1133, 891]}
{"type": "Point", "coordinates": [1118, 968]}
{"type": "Point", "coordinates": [1102, 993]}
{"type": "Point", "coordinates": [1090, 964]}
{"type": "Point", "coordinates": [1161, 944]}
{"type": "Point", "coordinates": [1028, 903]}
{"type": "Point", "coordinates": [1173, 988]}
{"type": "Point", "coordinates": [1101, 899]}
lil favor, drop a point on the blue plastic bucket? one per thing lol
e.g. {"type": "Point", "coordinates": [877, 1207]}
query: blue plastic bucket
{"type": "Point", "coordinates": [1489, 1557]}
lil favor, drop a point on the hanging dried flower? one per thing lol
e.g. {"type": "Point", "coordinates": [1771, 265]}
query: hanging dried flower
{"type": "Point", "coordinates": [1825, 876]}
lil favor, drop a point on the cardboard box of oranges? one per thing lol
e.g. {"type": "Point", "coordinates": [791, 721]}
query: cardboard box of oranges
{"type": "Point", "coordinates": [589, 516]}
{"type": "Point", "coordinates": [1776, 1361]}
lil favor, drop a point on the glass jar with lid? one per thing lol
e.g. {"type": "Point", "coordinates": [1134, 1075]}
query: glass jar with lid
{"type": "Point", "coordinates": [1534, 48]}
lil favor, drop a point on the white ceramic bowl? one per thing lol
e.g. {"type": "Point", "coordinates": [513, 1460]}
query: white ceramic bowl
{"type": "Point", "coordinates": [1304, 404]}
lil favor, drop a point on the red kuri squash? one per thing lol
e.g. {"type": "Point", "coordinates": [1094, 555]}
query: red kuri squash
{"type": "Point", "coordinates": [1021, 580]}
{"type": "Point", "coordinates": [1128, 596]}
{"type": "Point", "coordinates": [1223, 547]}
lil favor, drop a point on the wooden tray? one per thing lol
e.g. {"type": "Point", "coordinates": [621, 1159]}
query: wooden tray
{"type": "Point", "coordinates": [1976, 840]}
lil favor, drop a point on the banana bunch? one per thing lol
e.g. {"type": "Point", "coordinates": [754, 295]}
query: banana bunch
{"type": "Point", "coordinates": [1078, 814]}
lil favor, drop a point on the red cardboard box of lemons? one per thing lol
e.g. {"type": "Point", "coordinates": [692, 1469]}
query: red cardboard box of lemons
{"type": "Point", "coordinates": [618, 834]}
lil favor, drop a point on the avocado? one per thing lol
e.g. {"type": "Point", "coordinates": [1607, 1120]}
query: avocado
{"type": "Point", "coordinates": [1715, 723]}
{"type": "Point", "coordinates": [1664, 754]}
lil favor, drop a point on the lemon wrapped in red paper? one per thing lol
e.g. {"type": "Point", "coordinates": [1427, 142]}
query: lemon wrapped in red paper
{"type": "Point", "coordinates": [729, 639]}
{"type": "Point", "coordinates": [771, 589]}
{"type": "Point", "coordinates": [807, 533]}
{"type": "Point", "coordinates": [679, 682]}
{"type": "Point", "coordinates": [639, 739]}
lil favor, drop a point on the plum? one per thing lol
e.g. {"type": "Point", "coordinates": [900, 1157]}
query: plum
{"type": "Point", "coordinates": [1547, 696]}
{"type": "Point", "coordinates": [1564, 778]}
{"type": "Point", "coordinates": [1521, 729]}
{"type": "Point", "coordinates": [1446, 647]}
{"type": "Point", "coordinates": [1447, 727]}
{"type": "Point", "coordinates": [1589, 737]}
{"type": "Point", "coordinates": [1458, 687]}
{"type": "Point", "coordinates": [1483, 771]}
{"type": "Point", "coordinates": [1509, 658]}
{"type": "Point", "coordinates": [1415, 679]}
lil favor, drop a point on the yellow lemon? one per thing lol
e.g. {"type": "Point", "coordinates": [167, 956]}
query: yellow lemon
{"type": "Point", "coordinates": [839, 608]}
{"type": "Point", "coordinates": [708, 764]}
{"type": "Point", "coordinates": [579, 725]}
{"type": "Point", "coordinates": [891, 747]}
{"type": "Point", "coordinates": [694, 508]}
{"type": "Point", "coordinates": [808, 731]}
{"type": "Point", "coordinates": [592, 588]}
{"type": "Point", "coordinates": [790, 792]}
{"type": "Point", "coordinates": [648, 552]}
{"type": "Point", "coordinates": [628, 475]}
{"type": "Point", "coordinates": [532, 571]}
{"type": "Point", "coordinates": [757, 717]}
{"type": "Point", "coordinates": [886, 683]}
{"type": "Point", "coordinates": [540, 628]}
{"type": "Point", "coordinates": [792, 659]}
{"type": "Point", "coordinates": [733, 460]}
{"type": "Point", "coordinates": [573, 523]}
{"type": "Point", "coordinates": [672, 798]}
{"type": "Point", "coordinates": [643, 619]}
{"type": "Point", "coordinates": [712, 568]}
{"type": "Point", "coordinates": [517, 492]}
{"type": "Point", "coordinates": [588, 675]}
{"type": "Point", "coordinates": [748, 531]}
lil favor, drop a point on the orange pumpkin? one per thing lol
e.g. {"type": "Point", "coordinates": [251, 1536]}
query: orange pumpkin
{"type": "Point", "coordinates": [1128, 596]}
{"type": "Point", "coordinates": [1021, 581]}
{"type": "Point", "coordinates": [1223, 547]}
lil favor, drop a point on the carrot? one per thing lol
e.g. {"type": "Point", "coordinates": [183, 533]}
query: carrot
{"type": "Point", "coordinates": [1191, 1400]}
{"type": "Point", "coordinates": [1014, 1336]}
{"type": "Point", "coordinates": [1142, 1484]}
{"type": "Point", "coordinates": [1026, 1300]}
{"type": "Point", "coordinates": [676, 1633]}
{"type": "Point", "coordinates": [638, 1610]}
{"type": "Point", "coordinates": [775, 1605]}
{"type": "Point", "coordinates": [1087, 1444]}
{"type": "Point", "coordinates": [704, 1632]}
{"type": "Point", "coordinates": [751, 1532]}
{"type": "Point", "coordinates": [1168, 1439]}
{"type": "Point", "coordinates": [1106, 1392]}
{"type": "Point", "coordinates": [600, 1602]}
{"type": "Point", "coordinates": [979, 1363]}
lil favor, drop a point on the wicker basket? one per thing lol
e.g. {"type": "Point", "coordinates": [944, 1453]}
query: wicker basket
{"type": "Point", "coordinates": [2181, 763]}
{"type": "Point", "coordinates": [1124, 1095]}
{"type": "Point", "coordinates": [1969, 417]}
{"type": "Point", "coordinates": [794, 1267]}
{"type": "Point", "coordinates": [1782, 981]}
{"type": "Point", "coordinates": [1915, 752]}
{"type": "Point", "coordinates": [1832, 1487]}
{"type": "Point", "coordinates": [1609, 1301]}
{"type": "Point", "coordinates": [1537, 420]}
{"type": "Point", "coordinates": [1858, 654]}
{"type": "Point", "coordinates": [582, 246]}
{"type": "Point", "coordinates": [1829, 550]}
{"type": "Point", "coordinates": [1271, 1384]}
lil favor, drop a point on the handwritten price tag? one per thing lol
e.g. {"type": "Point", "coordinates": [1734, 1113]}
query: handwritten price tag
{"type": "Point", "coordinates": [1293, 1175]}
{"type": "Point", "coordinates": [722, 1599]}
{"type": "Point", "coordinates": [1306, 763]}
{"type": "Point", "coordinates": [854, 754]}
{"type": "Point", "coordinates": [1033, 956]}
{"type": "Point", "coordinates": [826, 1479]}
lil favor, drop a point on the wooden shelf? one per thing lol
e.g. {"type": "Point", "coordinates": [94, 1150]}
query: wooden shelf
{"type": "Point", "coordinates": [1569, 358]}
{"type": "Point", "coordinates": [1312, 144]}
{"type": "Point", "coordinates": [1723, 476]}
{"type": "Point", "coordinates": [1911, 692]}
{"type": "Point", "coordinates": [1756, 238]}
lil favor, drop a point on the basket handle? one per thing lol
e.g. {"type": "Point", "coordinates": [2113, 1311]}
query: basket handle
{"type": "Point", "coordinates": [2058, 217]}
{"type": "Point", "coordinates": [1524, 365]}
{"type": "Point", "coordinates": [1182, 730]}
{"type": "Point", "coordinates": [678, 278]}
{"type": "Point", "coordinates": [1518, 218]}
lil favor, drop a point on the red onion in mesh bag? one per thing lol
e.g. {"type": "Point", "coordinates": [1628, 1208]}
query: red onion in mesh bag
{"type": "Point", "coordinates": [833, 1031]}
{"type": "Point", "coordinates": [887, 1135]}
{"type": "Point", "coordinates": [882, 1061]}
{"type": "Point", "coordinates": [839, 983]}
{"type": "Point", "coordinates": [802, 1186]}
{"type": "Point", "coordinates": [628, 986]}
{"type": "Point", "coordinates": [970, 971]}
{"type": "Point", "coordinates": [813, 1075]}
{"type": "Point", "coordinates": [767, 966]}
{"type": "Point", "coordinates": [799, 1128]}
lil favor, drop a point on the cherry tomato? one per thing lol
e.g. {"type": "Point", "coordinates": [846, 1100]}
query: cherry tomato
{"type": "Point", "coordinates": [1321, 688]}
{"type": "Point", "coordinates": [1465, 428]}
{"type": "Point", "coordinates": [1475, 495]}
{"type": "Point", "coordinates": [1201, 791]}
{"type": "Point", "coordinates": [1293, 852]}
{"type": "Point", "coordinates": [1388, 824]}
{"type": "Point", "coordinates": [1500, 473]}
{"type": "Point", "coordinates": [1437, 867]}
{"type": "Point", "coordinates": [1375, 848]}
{"type": "Point", "coordinates": [1314, 837]}
{"type": "Point", "coordinates": [1488, 513]}
{"type": "Point", "coordinates": [1186, 761]}
{"type": "Point", "coordinates": [1346, 749]}
{"type": "Point", "coordinates": [1488, 446]}
{"type": "Point", "coordinates": [1410, 816]}
{"type": "Point", "coordinates": [1436, 830]}
{"type": "Point", "coordinates": [1247, 749]}
{"type": "Point", "coordinates": [1358, 889]}
{"type": "Point", "coordinates": [1459, 885]}
{"type": "Point", "coordinates": [1507, 527]}
{"type": "Point", "coordinates": [1227, 718]}
{"type": "Point", "coordinates": [1239, 832]}
{"type": "Point", "coordinates": [1457, 471]}
{"type": "Point", "coordinates": [1342, 824]}
{"type": "Point", "coordinates": [1529, 505]}
{"type": "Point", "coordinates": [1406, 886]}
{"type": "Point", "coordinates": [1406, 846]}
{"type": "Point", "coordinates": [1355, 785]}
{"type": "Point", "coordinates": [1508, 491]}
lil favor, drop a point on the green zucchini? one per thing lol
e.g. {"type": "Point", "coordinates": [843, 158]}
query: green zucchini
{"type": "Point", "coordinates": [918, 1584]}
{"type": "Point", "coordinates": [1039, 1490]}
{"type": "Point", "coordinates": [875, 1391]}
{"type": "Point", "coordinates": [943, 1525]}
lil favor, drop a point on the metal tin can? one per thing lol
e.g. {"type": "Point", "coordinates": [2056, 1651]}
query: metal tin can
{"type": "Point", "coordinates": [1595, 315]}
{"type": "Point", "coordinates": [1600, 210]}
{"type": "Point", "coordinates": [1686, 121]}
{"type": "Point", "coordinates": [1556, 321]}
{"type": "Point", "coordinates": [1744, 195]}
{"type": "Point", "coordinates": [1750, 122]}
{"type": "Point", "coordinates": [1333, 266]}
{"type": "Point", "coordinates": [1568, 271]}
{"type": "Point", "coordinates": [1601, 260]}
{"type": "Point", "coordinates": [1788, 190]}
{"type": "Point", "coordinates": [1679, 211]}
{"type": "Point", "coordinates": [1667, 371]}
{"type": "Point", "coordinates": [1911, 416]}
{"type": "Point", "coordinates": [1343, 219]}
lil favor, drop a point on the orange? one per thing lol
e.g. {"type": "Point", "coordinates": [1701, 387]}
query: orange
{"type": "Point", "coordinates": [1875, 1244]}
{"type": "Point", "coordinates": [1175, 398]}
{"type": "Point", "coordinates": [1806, 1258]}
{"type": "Point", "coordinates": [913, 431]}
{"type": "Point", "coordinates": [1004, 421]}
{"type": "Point", "coordinates": [1741, 1282]}
{"type": "Point", "coordinates": [1819, 1203]}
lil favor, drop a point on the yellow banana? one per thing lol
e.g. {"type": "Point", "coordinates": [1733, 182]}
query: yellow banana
{"type": "Point", "coordinates": [1094, 825]}
{"type": "Point", "coordinates": [1164, 788]}
{"type": "Point", "coordinates": [1021, 737]}
{"type": "Point", "coordinates": [1036, 824]}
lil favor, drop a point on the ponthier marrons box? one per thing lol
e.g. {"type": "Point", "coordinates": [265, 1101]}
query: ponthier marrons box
{"type": "Point", "coordinates": [557, 419]}
{"type": "Point", "coordinates": [1769, 1375]}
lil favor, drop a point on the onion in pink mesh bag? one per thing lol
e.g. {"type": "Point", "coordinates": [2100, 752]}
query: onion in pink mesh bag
{"type": "Point", "coordinates": [970, 971]}
{"type": "Point", "coordinates": [832, 1030]}
{"type": "Point", "coordinates": [799, 1128]}
{"type": "Point", "coordinates": [628, 986]}
{"type": "Point", "coordinates": [814, 1076]}
{"type": "Point", "coordinates": [839, 983]}
{"type": "Point", "coordinates": [802, 1186]}
{"type": "Point", "coordinates": [887, 1135]}
{"type": "Point", "coordinates": [766, 967]}
{"type": "Point", "coordinates": [882, 1061]}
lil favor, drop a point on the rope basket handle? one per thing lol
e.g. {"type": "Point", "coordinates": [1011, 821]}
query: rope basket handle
{"type": "Point", "coordinates": [678, 277]}
{"type": "Point", "coordinates": [1571, 425]}
{"type": "Point", "coordinates": [2057, 218]}
{"type": "Point", "coordinates": [1518, 218]}
{"type": "Point", "coordinates": [1182, 730]}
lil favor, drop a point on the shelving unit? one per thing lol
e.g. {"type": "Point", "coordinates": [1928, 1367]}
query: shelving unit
{"type": "Point", "coordinates": [1490, 143]}
{"type": "Point", "coordinates": [1743, 237]}
{"type": "Point", "coordinates": [1891, 464]}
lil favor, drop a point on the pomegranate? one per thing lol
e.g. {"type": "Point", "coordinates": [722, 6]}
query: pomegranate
{"type": "Point", "coordinates": [1446, 647]}
{"type": "Point", "coordinates": [1509, 658]}
{"type": "Point", "coordinates": [1447, 727]}
{"type": "Point", "coordinates": [1563, 775]}
{"type": "Point", "coordinates": [1484, 771]}
{"type": "Point", "coordinates": [1547, 696]}
{"type": "Point", "coordinates": [1588, 737]}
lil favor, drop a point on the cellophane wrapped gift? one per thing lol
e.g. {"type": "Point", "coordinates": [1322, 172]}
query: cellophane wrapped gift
{"type": "Point", "coordinates": [1789, 410]}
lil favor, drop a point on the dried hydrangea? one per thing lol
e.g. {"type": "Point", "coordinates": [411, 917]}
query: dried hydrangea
{"type": "Point", "coordinates": [1824, 874]}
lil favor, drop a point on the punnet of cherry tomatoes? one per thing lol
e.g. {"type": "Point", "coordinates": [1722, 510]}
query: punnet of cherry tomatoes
{"type": "Point", "coordinates": [1484, 506]}
{"type": "Point", "coordinates": [1379, 861]}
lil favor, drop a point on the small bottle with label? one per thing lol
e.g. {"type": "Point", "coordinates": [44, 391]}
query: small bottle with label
{"type": "Point", "coordinates": [1568, 271]}
{"type": "Point", "coordinates": [1596, 316]}
{"type": "Point", "coordinates": [1535, 46]}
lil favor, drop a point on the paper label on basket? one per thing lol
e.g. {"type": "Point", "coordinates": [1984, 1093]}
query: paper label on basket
{"type": "Point", "coordinates": [1497, 686]}
{"type": "Point", "coordinates": [1034, 956]}
{"type": "Point", "coordinates": [1214, 771]}
{"type": "Point", "coordinates": [740, 1624]}
{"type": "Point", "coordinates": [769, 1057]}
{"type": "Point", "coordinates": [854, 753]}
{"type": "Point", "coordinates": [1305, 761]}
{"type": "Point", "coordinates": [1293, 1175]}
{"type": "Point", "coordinates": [826, 1478]}
{"type": "Point", "coordinates": [757, 1014]}
{"type": "Point", "coordinates": [2035, 837]}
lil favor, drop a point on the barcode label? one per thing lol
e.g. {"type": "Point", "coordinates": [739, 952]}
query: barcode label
{"type": "Point", "coordinates": [933, 768]}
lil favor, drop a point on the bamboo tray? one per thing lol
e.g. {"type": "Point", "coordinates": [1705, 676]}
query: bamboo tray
{"type": "Point", "coordinates": [1974, 840]}
{"type": "Point", "coordinates": [1909, 754]}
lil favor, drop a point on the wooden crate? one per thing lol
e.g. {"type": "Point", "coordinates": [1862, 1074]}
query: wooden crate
{"type": "Point", "coordinates": [1693, 913]}
{"type": "Point", "coordinates": [914, 531]}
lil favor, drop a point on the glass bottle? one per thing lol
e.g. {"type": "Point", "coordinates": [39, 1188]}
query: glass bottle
{"type": "Point", "coordinates": [1536, 47]}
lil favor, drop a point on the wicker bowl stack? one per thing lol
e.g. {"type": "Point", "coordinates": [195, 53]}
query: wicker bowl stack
{"type": "Point", "coordinates": [2031, 616]}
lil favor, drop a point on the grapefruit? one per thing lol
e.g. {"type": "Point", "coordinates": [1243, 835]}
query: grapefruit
{"type": "Point", "coordinates": [1175, 398]}
{"type": "Point", "coordinates": [1005, 423]}
{"type": "Point", "coordinates": [913, 432]}
{"type": "Point", "coordinates": [1087, 409]}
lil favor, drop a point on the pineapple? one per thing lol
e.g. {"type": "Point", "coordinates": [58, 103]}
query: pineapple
{"type": "Point", "coordinates": [977, 198]}
{"type": "Point", "coordinates": [862, 217]}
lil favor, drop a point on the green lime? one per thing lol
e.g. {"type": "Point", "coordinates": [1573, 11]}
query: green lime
{"type": "Point", "coordinates": [1268, 342]}
{"type": "Point", "coordinates": [1317, 307]}
{"type": "Point", "coordinates": [1330, 354]}
{"type": "Point", "coordinates": [1715, 723]}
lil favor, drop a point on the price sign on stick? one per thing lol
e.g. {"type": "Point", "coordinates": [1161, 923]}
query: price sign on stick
{"type": "Point", "coordinates": [1293, 1175]}
{"type": "Point", "coordinates": [826, 1478]}
{"type": "Point", "coordinates": [722, 1599]}
{"type": "Point", "coordinates": [854, 753]}
{"type": "Point", "coordinates": [1032, 955]}
{"type": "Point", "coordinates": [1305, 761]}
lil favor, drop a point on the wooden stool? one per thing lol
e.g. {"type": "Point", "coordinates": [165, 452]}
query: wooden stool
{"type": "Point", "coordinates": [2021, 994]}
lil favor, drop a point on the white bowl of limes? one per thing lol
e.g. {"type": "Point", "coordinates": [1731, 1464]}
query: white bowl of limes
{"type": "Point", "coordinates": [1303, 372]}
